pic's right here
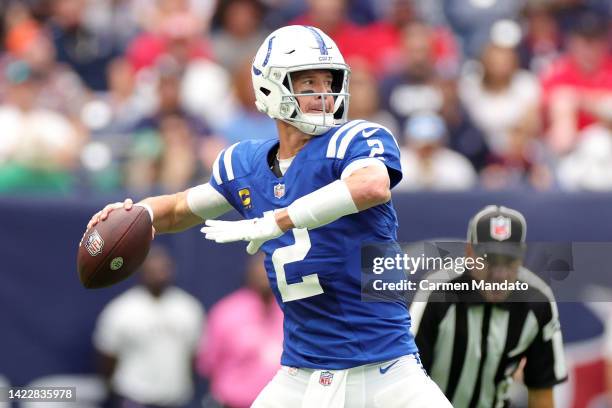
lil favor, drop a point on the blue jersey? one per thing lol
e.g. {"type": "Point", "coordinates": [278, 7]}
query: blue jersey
{"type": "Point", "coordinates": [316, 274]}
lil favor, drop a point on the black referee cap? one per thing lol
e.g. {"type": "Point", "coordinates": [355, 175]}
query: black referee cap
{"type": "Point", "coordinates": [498, 230]}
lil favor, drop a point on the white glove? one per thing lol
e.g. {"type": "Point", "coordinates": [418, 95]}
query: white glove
{"type": "Point", "coordinates": [256, 231]}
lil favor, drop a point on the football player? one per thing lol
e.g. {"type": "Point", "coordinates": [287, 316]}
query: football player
{"type": "Point", "coordinates": [310, 198]}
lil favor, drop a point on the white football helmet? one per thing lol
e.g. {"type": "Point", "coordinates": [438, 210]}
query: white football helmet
{"type": "Point", "coordinates": [299, 48]}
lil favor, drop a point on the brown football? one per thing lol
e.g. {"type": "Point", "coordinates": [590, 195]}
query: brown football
{"type": "Point", "coordinates": [113, 249]}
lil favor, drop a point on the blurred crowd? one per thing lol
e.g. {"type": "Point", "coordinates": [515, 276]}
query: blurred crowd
{"type": "Point", "coordinates": [105, 95]}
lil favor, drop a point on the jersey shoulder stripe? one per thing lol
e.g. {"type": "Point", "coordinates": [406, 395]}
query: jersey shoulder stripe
{"type": "Point", "coordinates": [215, 169]}
{"type": "Point", "coordinates": [237, 160]}
{"type": "Point", "coordinates": [227, 161]}
{"type": "Point", "coordinates": [332, 145]}
{"type": "Point", "coordinates": [349, 134]}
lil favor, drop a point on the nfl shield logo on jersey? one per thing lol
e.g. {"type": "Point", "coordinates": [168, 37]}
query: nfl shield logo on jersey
{"type": "Point", "coordinates": [279, 190]}
{"type": "Point", "coordinates": [326, 378]}
{"type": "Point", "coordinates": [501, 228]}
{"type": "Point", "coordinates": [94, 243]}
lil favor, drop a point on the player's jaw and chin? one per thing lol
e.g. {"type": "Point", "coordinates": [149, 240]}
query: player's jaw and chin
{"type": "Point", "coordinates": [317, 108]}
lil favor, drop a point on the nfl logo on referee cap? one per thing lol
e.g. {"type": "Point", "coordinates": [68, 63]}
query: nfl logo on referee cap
{"type": "Point", "coordinates": [498, 230]}
{"type": "Point", "coordinates": [279, 190]}
{"type": "Point", "coordinates": [326, 378]}
{"type": "Point", "coordinates": [501, 228]}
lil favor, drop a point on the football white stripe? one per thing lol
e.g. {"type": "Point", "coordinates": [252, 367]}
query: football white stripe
{"type": "Point", "coordinates": [331, 147]}
{"type": "Point", "coordinates": [227, 161]}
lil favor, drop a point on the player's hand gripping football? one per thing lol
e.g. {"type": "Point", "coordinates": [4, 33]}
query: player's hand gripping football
{"type": "Point", "coordinates": [256, 231]}
{"type": "Point", "coordinates": [103, 214]}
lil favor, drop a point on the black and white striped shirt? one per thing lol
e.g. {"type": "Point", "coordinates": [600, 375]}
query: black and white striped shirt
{"type": "Point", "coordinates": [471, 348]}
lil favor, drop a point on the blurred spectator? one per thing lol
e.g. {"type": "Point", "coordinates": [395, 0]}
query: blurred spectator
{"type": "Point", "coordinates": [380, 42]}
{"type": "Point", "coordinates": [416, 87]}
{"type": "Point", "coordinates": [168, 98]}
{"type": "Point", "coordinates": [121, 17]}
{"type": "Point", "coordinates": [365, 101]}
{"type": "Point", "coordinates": [206, 92]}
{"type": "Point", "coordinates": [61, 89]}
{"type": "Point", "coordinates": [385, 38]}
{"type": "Point", "coordinates": [177, 34]}
{"type": "Point", "coordinates": [111, 117]}
{"type": "Point", "coordinates": [280, 12]}
{"type": "Point", "coordinates": [502, 99]}
{"type": "Point", "coordinates": [119, 109]}
{"type": "Point", "coordinates": [426, 163]}
{"type": "Point", "coordinates": [78, 45]}
{"type": "Point", "coordinates": [575, 85]}
{"type": "Point", "coordinates": [589, 166]}
{"type": "Point", "coordinates": [471, 20]}
{"type": "Point", "coordinates": [152, 14]}
{"type": "Point", "coordinates": [240, 351]}
{"type": "Point", "coordinates": [168, 143]}
{"type": "Point", "coordinates": [568, 13]}
{"type": "Point", "coordinates": [430, 11]}
{"type": "Point", "coordinates": [246, 122]}
{"type": "Point", "coordinates": [147, 338]}
{"type": "Point", "coordinates": [205, 88]}
{"type": "Point", "coordinates": [542, 42]}
{"type": "Point", "coordinates": [38, 147]}
{"type": "Point", "coordinates": [331, 17]}
{"type": "Point", "coordinates": [464, 136]}
{"type": "Point", "coordinates": [18, 24]}
{"type": "Point", "coordinates": [362, 12]}
{"type": "Point", "coordinates": [239, 32]}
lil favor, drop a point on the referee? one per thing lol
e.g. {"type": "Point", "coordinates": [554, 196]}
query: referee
{"type": "Point", "coordinates": [472, 342]}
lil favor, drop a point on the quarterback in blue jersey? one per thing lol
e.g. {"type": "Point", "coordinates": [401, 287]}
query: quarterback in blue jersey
{"type": "Point", "coordinates": [310, 198]}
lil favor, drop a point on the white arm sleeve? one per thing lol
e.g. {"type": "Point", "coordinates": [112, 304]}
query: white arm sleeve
{"type": "Point", "coordinates": [206, 202]}
{"type": "Point", "coordinates": [322, 206]}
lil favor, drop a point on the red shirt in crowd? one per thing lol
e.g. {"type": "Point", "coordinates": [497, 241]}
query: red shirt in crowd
{"type": "Point", "coordinates": [566, 73]}
{"type": "Point", "coordinates": [380, 43]}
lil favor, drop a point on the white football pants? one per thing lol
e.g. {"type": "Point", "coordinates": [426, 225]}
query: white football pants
{"type": "Point", "coordinates": [397, 383]}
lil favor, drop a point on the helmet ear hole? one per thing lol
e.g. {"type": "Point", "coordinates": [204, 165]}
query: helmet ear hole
{"type": "Point", "coordinates": [287, 84]}
{"type": "Point", "coordinates": [265, 91]}
{"type": "Point", "coordinates": [337, 80]}
{"type": "Point", "coordinates": [340, 111]}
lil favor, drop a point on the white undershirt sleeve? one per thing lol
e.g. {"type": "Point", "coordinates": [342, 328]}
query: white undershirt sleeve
{"type": "Point", "coordinates": [360, 164]}
{"type": "Point", "coordinates": [206, 202]}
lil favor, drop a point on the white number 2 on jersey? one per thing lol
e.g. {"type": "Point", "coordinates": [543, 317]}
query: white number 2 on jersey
{"type": "Point", "coordinates": [377, 148]}
{"type": "Point", "coordinates": [310, 285]}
